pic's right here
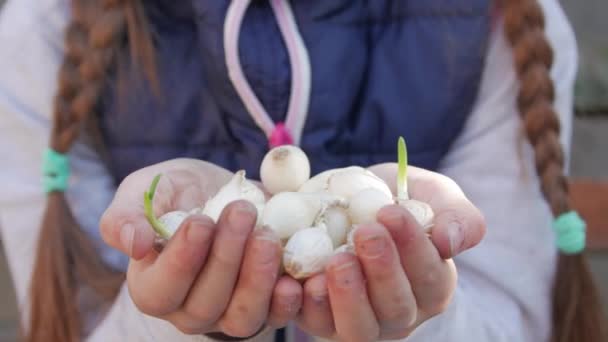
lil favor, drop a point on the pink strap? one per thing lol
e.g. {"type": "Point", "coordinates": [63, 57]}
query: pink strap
{"type": "Point", "coordinates": [280, 136]}
{"type": "Point", "coordinates": [299, 99]}
{"type": "Point", "coordinates": [232, 28]}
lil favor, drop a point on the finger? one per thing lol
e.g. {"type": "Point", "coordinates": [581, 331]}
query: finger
{"type": "Point", "coordinates": [250, 303]}
{"type": "Point", "coordinates": [458, 224]}
{"type": "Point", "coordinates": [180, 262]}
{"type": "Point", "coordinates": [353, 315]}
{"type": "Point", "coordinates": [457, 229]}
{"type": "Point", "coordinates": [388, 288]}
{"type": "Point", "coordinates": [123, 225]}
{"type": "Point", "coordinates": [316, 316]}
{"type": "Point", "coordinates": [127, 231]}
{"type": "Point", "coordinates": [286, 302]}
{"type": "Point", "coordinates": [210, 295]}
{"type": "Point", "coordinates": [432, 278]}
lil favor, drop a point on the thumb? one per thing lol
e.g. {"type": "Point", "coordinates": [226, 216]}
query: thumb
{"type": "Point", "coordinates": [457, 229]}
{"type": "Point", "coordinates": [127, 230]}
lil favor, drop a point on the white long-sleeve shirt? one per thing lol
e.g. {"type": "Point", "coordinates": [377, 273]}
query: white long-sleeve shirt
{"type": "Point", "coordinates": [504, 284]}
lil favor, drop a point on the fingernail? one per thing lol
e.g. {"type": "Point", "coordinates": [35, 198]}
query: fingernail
{"type": "Point", "coordinates": [397, 218]}
{"type": "Point", "coordinates": [266, 234]}
{"type": "Point", "coordinates": [290, 304]}
{"type": "Point", "coordinates": [266, 245]}
{"type": "Point", "coordinates": [241, 216]}
{"type": "Point", "coordinates": [373, 246]}
{"type": "Point", "coordinates": [394, 216]}
{"type": "Point", "coordinates": [198, 232]}
{"type": "Point", "coordinates": [127, 235]}
{"type": "Point", "coordinates": [455, 237]}
{"type": "Point", "coordinates": [345, 274]}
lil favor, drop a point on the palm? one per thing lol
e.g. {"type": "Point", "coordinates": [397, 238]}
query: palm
{"type": "Point", "coordinates": [184, 184]}
{"type": "Point", "coordinates": [224, 269]}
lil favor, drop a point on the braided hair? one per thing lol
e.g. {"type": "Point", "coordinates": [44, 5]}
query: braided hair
{"type": "Point", "coordinates": [67, 262]}
{"type": "Point", "coordinates": [576, 305]}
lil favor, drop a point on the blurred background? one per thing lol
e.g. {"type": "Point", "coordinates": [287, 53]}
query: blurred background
{"type": "Point", "coordinates": [589, 164]}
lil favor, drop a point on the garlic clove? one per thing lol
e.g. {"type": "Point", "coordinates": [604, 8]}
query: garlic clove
{"type": "Point", "coordinates": [284, 168]}
{"type": "Point", "coordinates": [307, 252]}
{"type": "Point", "coordinates": [319, 182]}
{"type": "Point", "coordinates": [337, 223]}
{"type": "Point", "coordinates": [347, 183]}
{"type": "Point", "coordinates": [238, 188]}
{"type": "Point", "coordinates": [172, 220]}
{"type": "Point", "coordinates": [364, 205]}
{"type": "Point", "coordinates": [196, 211]}
{"type": "Point", "coordinates": [288, 212]}
{"type": "Point", "coordinates": [421, 211]}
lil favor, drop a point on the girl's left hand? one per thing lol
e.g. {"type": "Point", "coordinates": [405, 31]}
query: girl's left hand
{"type": "Point", "coordinates": [400, 277]}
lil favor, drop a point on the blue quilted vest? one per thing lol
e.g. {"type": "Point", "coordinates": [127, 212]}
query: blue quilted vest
{"type": "Point", "coordinates": [380, 69]}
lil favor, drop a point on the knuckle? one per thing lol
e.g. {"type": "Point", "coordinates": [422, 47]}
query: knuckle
{"type": "Point", "coordinates": [402, 313]}
{"type": "Point", "coordinates": [396, 334]}
{"type": "Point", "coordinates": [187, 328]}
{"type": "Point", "coordinates": [431, 278]}
{"type": "Point", "coordinates": [150, 306]}
{"type": "Point", "coordinates": [202, 315]}
{"type": "Point", "coordinates": [438, 306]}
{"type": "Point", "coordinates": [240, 328]}
{"type": "Point", "coordinates": [181, 261]}
{"type": "Point", "coordinates": [108, 227]}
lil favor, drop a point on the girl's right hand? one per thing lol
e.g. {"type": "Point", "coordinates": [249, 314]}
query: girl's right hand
{"type": "Point", "coordinates": [210, 277]}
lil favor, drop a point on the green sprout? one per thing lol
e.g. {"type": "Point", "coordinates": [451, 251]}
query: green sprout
{"type": "Point", "coordinates": [402, 170]}
{"type": "Point", "coordinates": [158, 227]}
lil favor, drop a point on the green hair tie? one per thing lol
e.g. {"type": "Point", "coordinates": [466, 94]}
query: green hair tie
{"type": "Point", "coordinates": [570, 230]}
{"type": "Point", "coordinates": [56, 171]}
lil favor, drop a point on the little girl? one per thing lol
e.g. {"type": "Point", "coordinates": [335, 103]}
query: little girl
{"type": "Point", "coordinates": [103, 95]}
